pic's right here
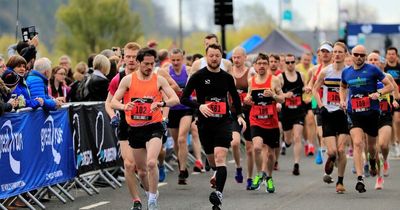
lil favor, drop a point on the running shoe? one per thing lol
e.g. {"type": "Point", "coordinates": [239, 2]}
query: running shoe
{"type": "Point", "coordinates": [360, 186]}
{"type": "Point", "coordinates": [379, 183]}
{"type": "Point", "coordinates": [350, 152]}
{"type": "Point", "coordinates": [198, 166]}
{"type": "Point", "coordinates": [319, 157]}
{"type": "Point", "coordinates": [306, 149]}
{"type": "Point", "coordinates": [257, 182]}
{"type": "Point", "coordinates": [276, 166]}
{"type": "Point", "coordinates": [340, 188]}
{"type": "Point", "coordinates": [161, 173]}
{"type": "Point", "coordinates": [366, 170]}
{"type": "Point", "coordinates": [239, 175]}
{"type": "Point", "coordinates": [213, 181]}
{"type": "Point", "coordinates": [328, 179]}
{"type": "Point", "coordinates": [386, 168]}
{"type": "Point", "coordinates": [329, 166]}
{"type": "Point", "coordinates": [270, 186]}
{"type": "Point", "coordinates": [152, 205]}
{"type": "Point", "coordinates": [137, 205]}
{"type": "Point", "coordinates": [216, 199]}
{"type": "Point", "coordinates": [249, 183]}
{"type": "Point", "coordinates": [296, 169]}
{"type": "Point", "coordinates": [283, 149]}
{"type": "Point", "coordinates": [182, 178]}
{"type": "Point", "coordinates": [311, 150]}
{"type": "Point", "coordinates": [373, 171]}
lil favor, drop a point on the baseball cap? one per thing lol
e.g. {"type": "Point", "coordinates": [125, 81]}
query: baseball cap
{"type": "Point", "coordinates": [326, 46]}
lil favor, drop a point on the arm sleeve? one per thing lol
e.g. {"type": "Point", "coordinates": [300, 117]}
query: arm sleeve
{"type": "Point", "coordinates": [235, 95]}
{"type": "Point", "coordinates": [185, 99]}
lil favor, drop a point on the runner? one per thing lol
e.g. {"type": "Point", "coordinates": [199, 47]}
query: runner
{"type": "Point", "coordinates": [131, 49]}
{"type": "Point", "coordinates": [264, 92]}
{"type": "Point", "coordinates": [215, 124]}
{"type": "Point", "coordinates": [142, 95]}
{"type": "Point", "coordinates": [242, 74]}
{"type": "Point", "coordinates": [359, 81]}
{"type": "Point", "coordinates": [386, 104]}
{"type": "Point", "coordinates": [334, 120]}
{"type": "Point", "coordinates": [293, 109]}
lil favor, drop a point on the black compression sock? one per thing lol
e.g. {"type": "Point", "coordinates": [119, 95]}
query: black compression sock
{"type": "Point", "coordinates": [340, 180]}
{"type": "Point", "coordinates": [359, 178]}
{"type": "Point", "coordinates": [287, 145]}
{"type": "Point", "coordinates": [221, 178]}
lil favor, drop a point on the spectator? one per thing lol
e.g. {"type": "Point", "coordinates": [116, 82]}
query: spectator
{"type": "Point", "coordinates": [58, 87]}
{"type": "Point", "coordinates": [65, 61]}
{"type": "Point", "coordinates": [80, 71]}
{"type": "Point", "coordinates": [2, 65]}
{"type": "Point", "coordinates": [28, 50]}
{"type": "Point", "coordinates": [8, 82]}
{"type": "Point", "coordinates": [163, 58]}
{"type": "Point", "coordinates": [18, 64]}
{"type": "Point", "coordinates": [90, 63]}
{"type": "Point", "coordinates": [98, 83]}
{"type": "Point", "coordinates": [113, 68]}
{"type": "Point", "coordinates": [37, 82]}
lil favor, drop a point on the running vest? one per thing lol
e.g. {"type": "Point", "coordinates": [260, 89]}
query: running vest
{"type": "Point", "coordinates": [263, 113]}
{"type": "Point", "coordinates": [242, 87]}
{"type": "Point", "coordinates": [143, 93]}
{"type": "Point", "coordinates": [203, 63]}
{"type": "Point", "coordinates": [384, 100]}
{"type": "Point", "coordinates": [330, 97]}
{"type": "Point", "coordinates": [395, 72]}
{"type": "Point", "coordinates": [295, 103]}
{"type": "Point", "coordinates": [181, 80]}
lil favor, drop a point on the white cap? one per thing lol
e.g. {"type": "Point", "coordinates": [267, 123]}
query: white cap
{"type": "Point", "coordinates": [326, 47]}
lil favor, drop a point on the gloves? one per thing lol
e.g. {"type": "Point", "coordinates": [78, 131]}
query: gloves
{"type": "Point", "coordinates": [114, 121]}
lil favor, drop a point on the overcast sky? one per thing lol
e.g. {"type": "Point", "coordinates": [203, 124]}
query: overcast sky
{"type": "Point", "coordinates": [309, 10]}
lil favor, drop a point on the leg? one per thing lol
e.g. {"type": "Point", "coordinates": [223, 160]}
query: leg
{"type": "Point", "coordinates": [196, 141]}
{"type": "Point", "coordinates": [342, 159]}
{"type": "Point", "coordinates": [184, 126]}
{"type": "Point", "coordinates": [357, 135]}
{"type": "Point", "coordinates": [140, 158]}
{"type": "Point", "coordinates": [250, 158]}
{"type": "Point", "coordinates": [297, 133]}
{"type": "Point", "coordinates": [311, 130]}
{"type": "Point", "coordinates": [153, 148]}
{"type": "Point", "coordinates": [129, 165]}
{"type": "Point", "coordinates": [174, 134]}
{"type": "Point", "coordinates": [235, 143]}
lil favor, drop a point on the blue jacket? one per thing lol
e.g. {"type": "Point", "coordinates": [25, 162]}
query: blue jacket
{"type": "Point", "coordinates": [22, 89]}
{"type": "Point", "coordinates": [37, 85]}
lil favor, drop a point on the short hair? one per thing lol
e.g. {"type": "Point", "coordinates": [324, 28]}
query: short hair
{"type": "Point", "coordinates": [391, 48]}
{"type": "Point", "coordinates": [239, 48]}
{"type": "Point", "coordinates": [81, 67]}
{"type": "Point", "coordinates": [56, 69]}
{"type": "Point", "coordinates": [261, 56]}
{"type": "Point", "coordinates": [65, 57]}
{"type": "Point", "coordinates": [290, 55]}
{"type": "Point", "coordinates": [197, 56]}
{"type": "Point", "coordinates": [341, 44]}
{"type": "Point", "coordinates": [108, 53]}
{"type": "Point", "coordinates": [162, 54]}
{"type": "Point", "coordinates": [42, 64]}
{"type": "Point", "coordinates": [101, 63]}
{"type": "Point", "coordinates": [215, 46]}
{"type": "Point", "coordinates": [90, 60]}
{"type": "Point", "coordinates": [210, 36]}
{"type": "Point", "coordinates": [15, 61]}
{"type": "Point", "coordinates": [132, 46]}
{"type": "Point", "coordinates": [276, 56]}
{"type": "Point", "coordinates": [146, 52]}
{"type": "Point", "coordinates": [176, 51]}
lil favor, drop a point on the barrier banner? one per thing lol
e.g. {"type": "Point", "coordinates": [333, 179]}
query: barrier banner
{"type": "Point", "coordinates": [36, 150]}
{"type": "Point", "coordinates": [95, 142]}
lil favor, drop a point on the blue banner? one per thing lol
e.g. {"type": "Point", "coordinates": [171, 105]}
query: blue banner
{"type": "Point", "coordinates": [36, 150]}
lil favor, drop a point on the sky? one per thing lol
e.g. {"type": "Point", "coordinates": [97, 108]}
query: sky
{"type": "Point", "coordinates": [316, 13]}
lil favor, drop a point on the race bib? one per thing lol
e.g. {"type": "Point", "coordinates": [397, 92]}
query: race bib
{"type": "Point", "coordinates": [217, 106]}
{"type": "Point", "coordinates": [264, 111]}
{"type": "Point", "coordinates": [141, 109]}
{"type": "Point", "coordinates": [360, 104]}
{"type": "Point", "coordinates": [384, 105]}
{"type": "Point", "coordinates": [333, 96]}
{"type": "Point", "coordinates": [293, 102]}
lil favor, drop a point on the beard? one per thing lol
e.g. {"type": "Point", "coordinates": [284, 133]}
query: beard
{"type": "Point", "coordinates": [213, 65]}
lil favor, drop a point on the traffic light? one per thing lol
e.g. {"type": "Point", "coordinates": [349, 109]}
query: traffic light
{"type": "Point", "coordinates": [223, 12]}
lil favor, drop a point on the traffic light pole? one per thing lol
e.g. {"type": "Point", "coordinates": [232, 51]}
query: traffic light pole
{"type": "Point", "coordinates": [223, 42]}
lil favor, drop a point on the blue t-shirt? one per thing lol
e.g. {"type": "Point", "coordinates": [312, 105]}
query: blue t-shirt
{"type": "Point", "coordinates": [361, 83]}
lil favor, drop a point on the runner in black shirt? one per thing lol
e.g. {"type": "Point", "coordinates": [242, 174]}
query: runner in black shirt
{"type": "Point", "coordinates": [215, 123]}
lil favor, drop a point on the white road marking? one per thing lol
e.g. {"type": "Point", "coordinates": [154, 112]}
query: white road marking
{"type": "Point", "coordinates": [162, 184]}
{"type": "Point", "coordinates": [94, 205]}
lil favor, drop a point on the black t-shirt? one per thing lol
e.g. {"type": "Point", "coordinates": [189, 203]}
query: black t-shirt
{"type": "Point", "coordinates": [212, 88]}
{"type": "Point", "coordinates": [394, 71]}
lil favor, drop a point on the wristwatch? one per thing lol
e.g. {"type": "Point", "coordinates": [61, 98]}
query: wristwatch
{"type": "Point", "coordinates": [164, 104]}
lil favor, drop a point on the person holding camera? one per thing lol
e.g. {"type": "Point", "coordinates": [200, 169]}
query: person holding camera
{"type": "Point", "coordinates": [8, 82]}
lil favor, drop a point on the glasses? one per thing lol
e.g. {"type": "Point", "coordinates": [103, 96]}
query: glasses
{"type": "Point", "coordinates": [290, 62]}
{"type": "Point", "coordinates": [361, 55]}
{"type": "Point", "coordinates": [62, 74]}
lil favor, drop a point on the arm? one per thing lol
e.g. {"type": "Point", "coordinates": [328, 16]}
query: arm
{"type": "Point", "coordinates": [172, 98]}
{"type": "Point", "coordinates": [162, 72]}
{"type": "Point", "coordinates": [187, 91]}
{"type": "Point", "coordinates": [228, 66]}
{"type": "Point", "coordinates": [119, 94]}
{"type": "Point", "coordinates": [395, 92]}
{"type": "Point", "coordinates": [195, 67]}
{"type": "Point", "coordinates": [343, 94]}
{"type": "Point", "coordinates": [235, 95]}
{"type": "Point", "coordinates": [107, 106]}
{"type": "Point", "coordinates": [388, 86]}
{"type": "Point", "coordinates": [279, 97]}
{"type": "Point", "coordinates": [317, 86]}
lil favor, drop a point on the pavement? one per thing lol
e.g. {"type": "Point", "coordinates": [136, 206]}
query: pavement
{"type": "Point", "coordinates": [306, 191]}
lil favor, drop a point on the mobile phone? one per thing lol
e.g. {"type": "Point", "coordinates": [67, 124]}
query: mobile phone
{"type": "Point", "coordinates": [115, 49]}
{"type": "Point", "coordinates": [13, 96]}
{"type": "Point", "coordinates": [122, 53]}
{"type": "Point", "coordinates": [28, 33]}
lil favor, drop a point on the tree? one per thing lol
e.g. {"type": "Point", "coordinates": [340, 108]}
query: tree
{"type": "Point", "coordinates": [89, 26]}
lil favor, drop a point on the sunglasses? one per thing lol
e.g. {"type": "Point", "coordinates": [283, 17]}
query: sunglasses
{"type": "Point", "coordinates": [290, 62]}
{"type": "Point", "coordinates": [361, 55]}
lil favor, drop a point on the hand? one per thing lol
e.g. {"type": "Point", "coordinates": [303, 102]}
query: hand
{"type": "Point", "coordinates": [278, 107]}
{"type": "Point", "coordinates": [40, 100]}
{"type": "Point", "coordinates": [205, 110]}
{"type": "Point", "coordinates": [289, 94]}
{"type": "Point", "coordinates": [13, 102]}
{"type": "Point", "coordinates": [58, 103]}
{"type": "Point", "coordinates": [343, 105]}
{"type": "Point", "coordinates": [129, 106]}
{"type": "Point", "coordinates": [395, 104]}
{"type": "Point", "coordinates": [242, 123]}
{"type": "Point", "coordinates": [247, 100]}
{"type": "Point", "coordinates": [34, 41]}
{"type": "Point", "coordinates": [307, 89]}
{"type": "Point", "coordinates": [374, 96]}
{"type": "Point", "coordinates": [268, 93]}
{"type": "Point", "coordinates": [156, 105]}
{"type": "Point", "coordinates": [61, 99]}
{"type": "Point", "coordinates": [115, 121]}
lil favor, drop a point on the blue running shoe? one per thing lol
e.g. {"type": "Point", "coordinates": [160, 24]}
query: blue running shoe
{"type": "Point", "coordinates": [161, 173]}
{"type": "Point", "coordinates": [239, 175]}
{"type": "Point", "coordinates": [319, 159]}
{"type": "Point", "coordinates": [366, 170]}
{"type": "Point", "coordinates": [249, 183]}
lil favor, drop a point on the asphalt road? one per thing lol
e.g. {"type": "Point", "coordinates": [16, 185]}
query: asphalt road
{"type": "Point", "coordinates": [306, 191]}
